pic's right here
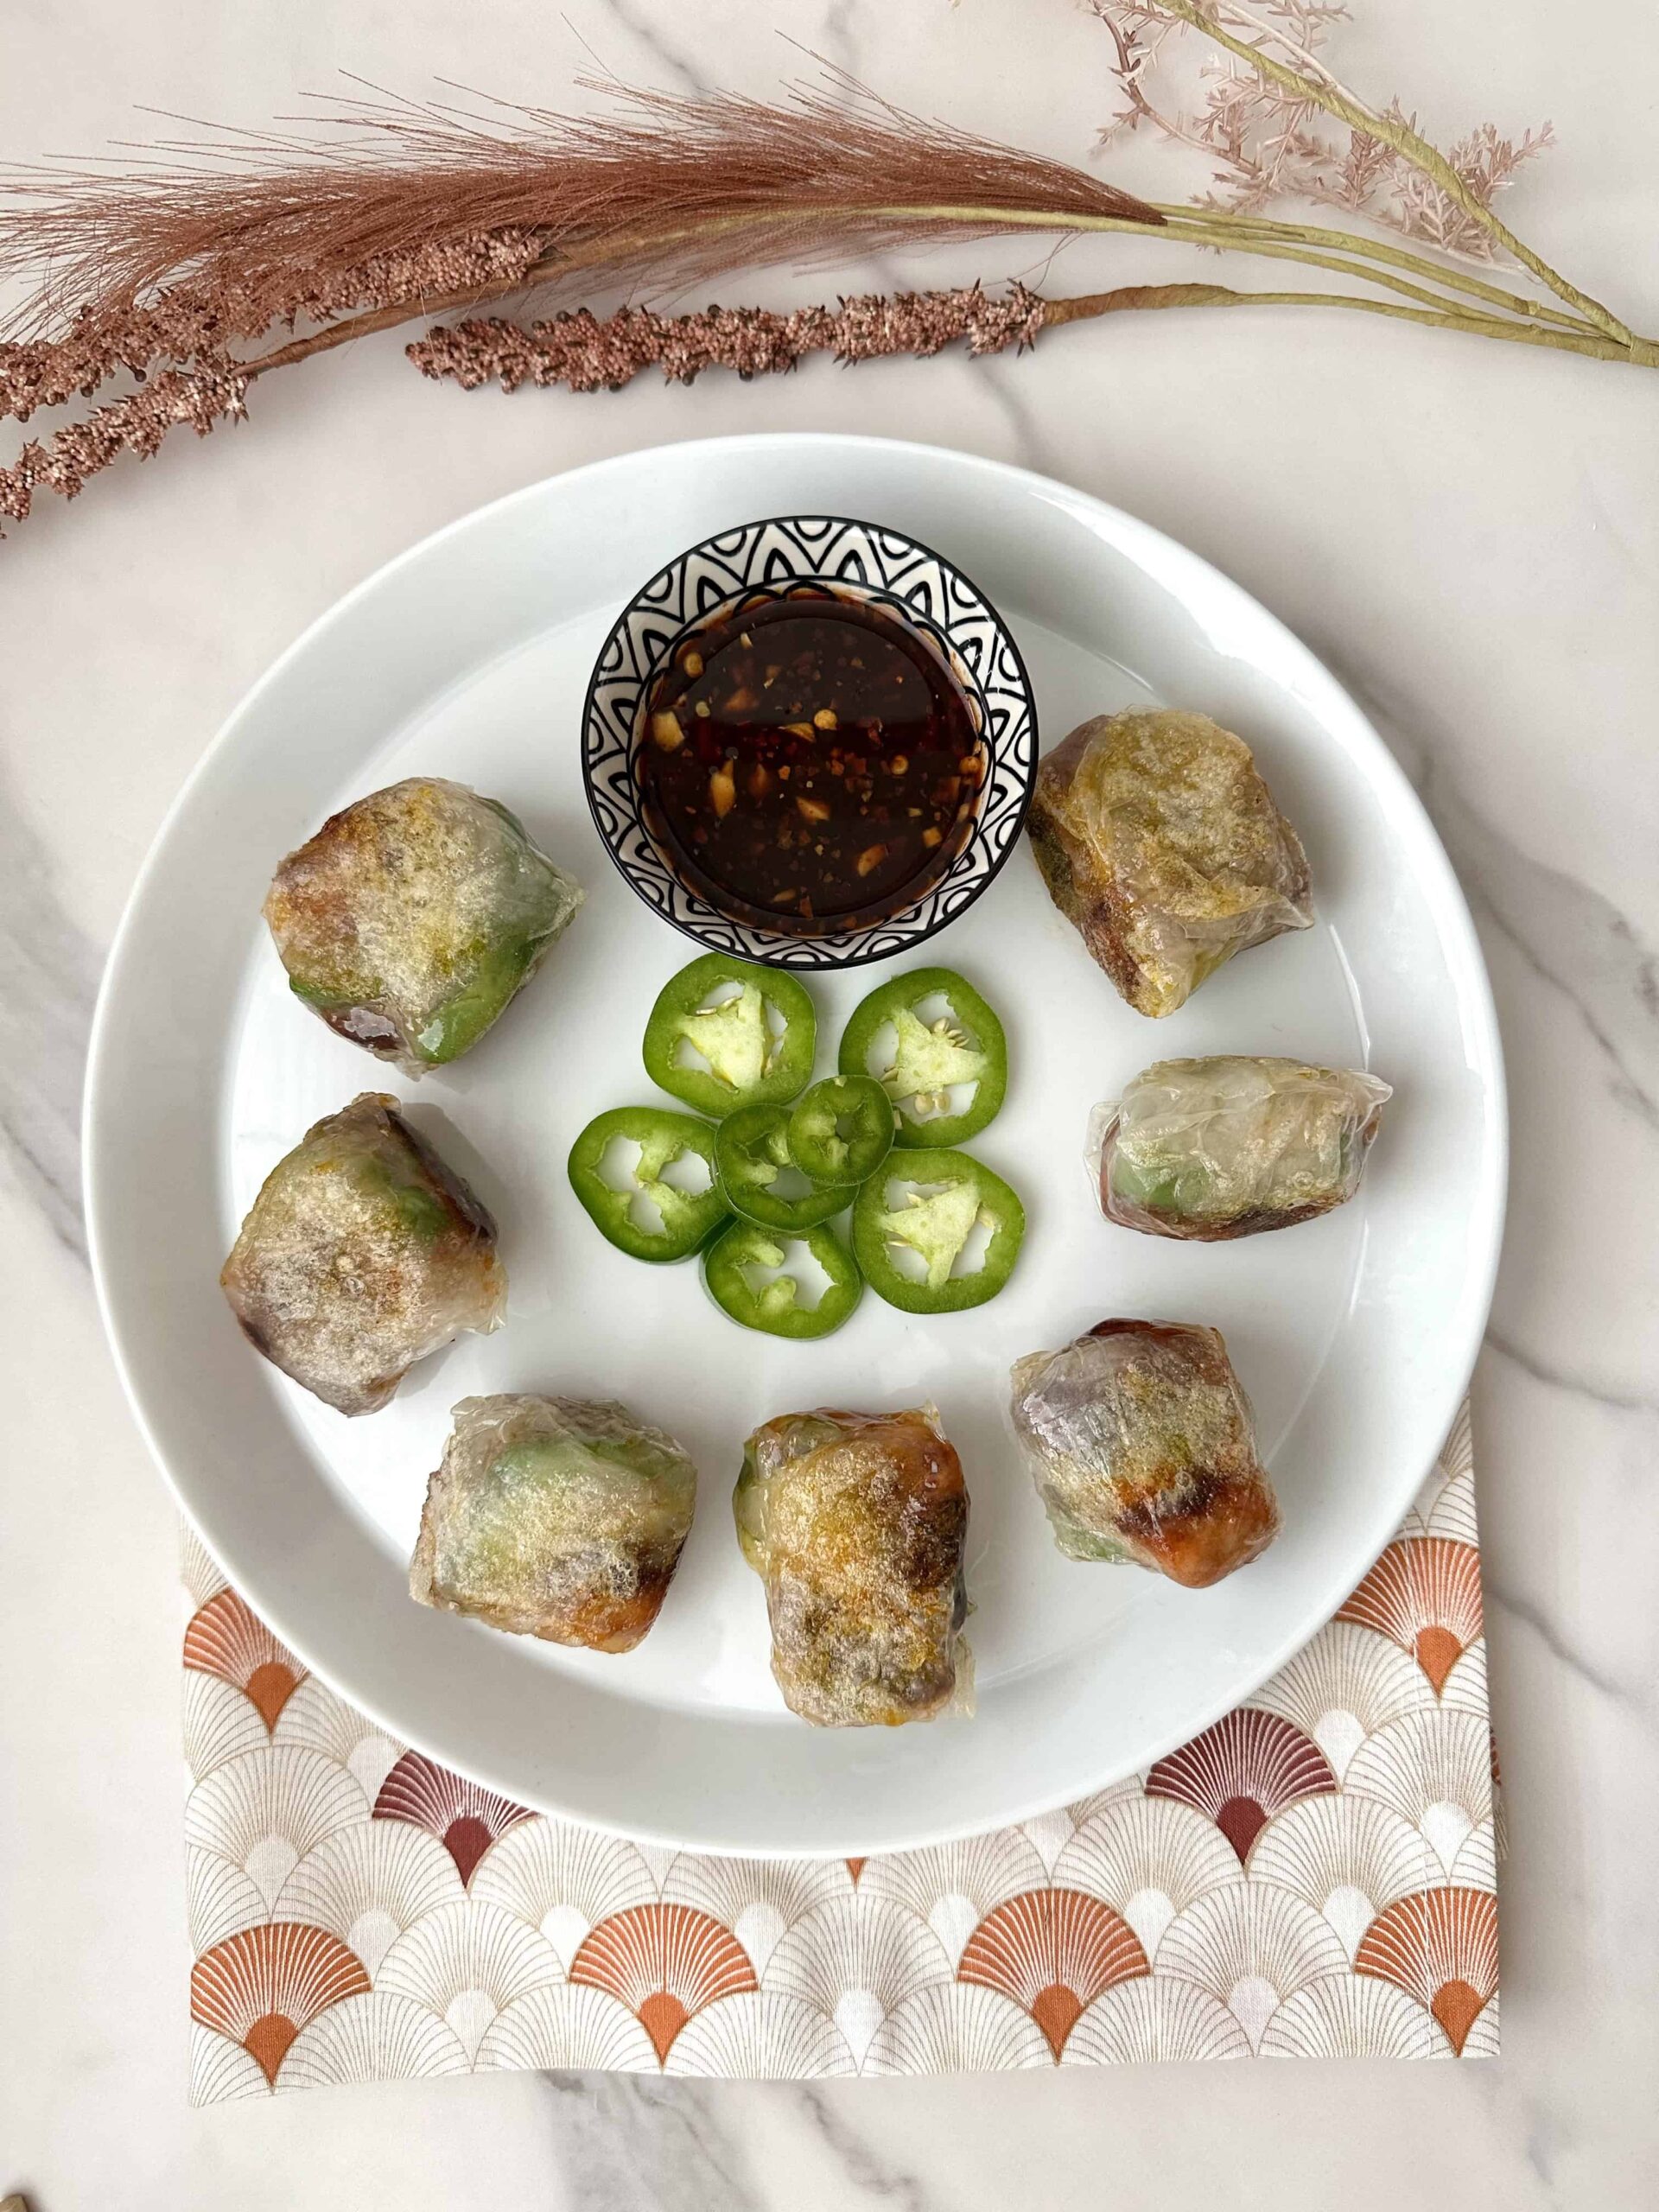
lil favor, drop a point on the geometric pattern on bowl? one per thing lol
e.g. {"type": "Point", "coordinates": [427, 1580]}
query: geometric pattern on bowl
{"type": "Point", "coordinates": [863, 560]}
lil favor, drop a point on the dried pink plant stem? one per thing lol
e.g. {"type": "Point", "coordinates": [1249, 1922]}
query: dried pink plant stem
{"type": "Point", "coordinates": [202, 397]}
{"type": "Point", "coordinates": [1312, 82]}
{"type": "Point", "coordinates": [1309, 244]}
{"type": "Point", "coordinates": [1186, 221]}
{"type": "Point", "coordinates": [1590, 343]}
{"type": "Point", "coordinates": [588, 354]}
{"type": "Point", "coordinates": [173, 276]}
{"type": "Point", "coordinates": [585, 353]}
{"type": "Point", "coordinates": [1265, 140]}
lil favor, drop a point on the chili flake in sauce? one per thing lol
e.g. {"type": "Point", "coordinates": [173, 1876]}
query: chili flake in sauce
{"type": "Point", "coordinates": [810, 762]}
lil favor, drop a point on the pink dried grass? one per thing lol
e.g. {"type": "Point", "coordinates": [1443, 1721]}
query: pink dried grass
{"type": "Point", "coordinates": [169, 278]}
{"type": "Point", "coordinates": [1269, 145]}
{"type": "Point", "coordinates": [585, 353]}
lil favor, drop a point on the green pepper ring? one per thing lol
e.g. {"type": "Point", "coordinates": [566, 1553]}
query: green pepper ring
{"type": "Point", "coordinates": [773, 1312]}
{"type": "Point", "coordinates": [695, 1215]}
{"type": "Point", "coordinates": [907, 991]}
{"type": "Point", "coordinates": [955, 1294]}
{"type": "Point", "coordinates": [682, 996]}
{"type": "Point", "coordinates": [814, 1130]}
{"type": "Point", "coordinates": [737, 1140]}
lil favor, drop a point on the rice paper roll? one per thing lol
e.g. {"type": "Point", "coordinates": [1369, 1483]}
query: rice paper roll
{"type": "Point", "coordinates": [856, 1523]}
{"type": "Point", "coordinates": [414, 917]}
{"type": "Point", "coordinates": [562, 1518]}
{"type": "Point", "coordinates": [362, 1253]}
{"type": "Point", "coordinates": [1140, 1438]}
{"type": "Point", "coordinates": [1230, 1146]}
{"type": "Point", "coordinates": [1159, 840]}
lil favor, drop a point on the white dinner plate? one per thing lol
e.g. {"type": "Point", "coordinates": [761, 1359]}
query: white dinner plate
{"type": "Point", "coordinates": [1354, 1335]}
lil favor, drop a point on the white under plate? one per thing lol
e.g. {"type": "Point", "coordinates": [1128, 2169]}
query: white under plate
{"type": "Point", "coordinates": [1354, 1335]}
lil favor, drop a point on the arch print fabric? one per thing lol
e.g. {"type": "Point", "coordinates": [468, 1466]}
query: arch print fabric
{"type": "Point", "coordinates": [1313, 1876]}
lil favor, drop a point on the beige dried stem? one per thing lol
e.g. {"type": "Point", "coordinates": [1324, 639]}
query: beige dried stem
{"type": "Point", "coordinates": [1277, 44]}
{"type": "Point", "coordinates": [394, 204]}
{"type": "Point", "coordinates": [175, 274]}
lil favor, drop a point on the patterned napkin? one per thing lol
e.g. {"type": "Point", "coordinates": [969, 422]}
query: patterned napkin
{"type": "Point", "coordinates": [1314, 1876]}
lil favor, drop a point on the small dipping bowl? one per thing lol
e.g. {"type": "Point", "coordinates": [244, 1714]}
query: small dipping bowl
{"type": "Point", "coordinates": [810, 802]}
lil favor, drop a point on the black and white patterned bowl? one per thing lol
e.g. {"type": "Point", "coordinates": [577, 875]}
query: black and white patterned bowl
{"type": "Point", "coordinates": [870, 562]}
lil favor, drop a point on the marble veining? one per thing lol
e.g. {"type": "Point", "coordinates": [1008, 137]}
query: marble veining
{"type": "Point", "coordinates": [656, 40]}
{"type": "Point", "coordinates": [48, 981]}
{"type": "Point", "coordinates": [1463, 531]}
{"type": "Point", "coordinates": [1573, 937]}
{"type": "Point", "coordinates": [632, 2141]}
{"type": "Point", "coordinates": [901, 2188]}
{"type": "Point", "coordinates": [1531, 1615]}
{"type": "Point", "coordinates": [1556, 1378]}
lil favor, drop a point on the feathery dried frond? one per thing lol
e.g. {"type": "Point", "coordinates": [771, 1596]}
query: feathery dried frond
{"type": "Point", "coordinates": [659, 188]}
{"type": "Point", "coordinates": [172, 270]}
{"type": "Point", "coordinates": [1270, 145]}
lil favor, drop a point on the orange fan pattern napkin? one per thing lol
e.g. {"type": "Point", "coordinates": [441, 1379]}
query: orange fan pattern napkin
{"type": "Point", "coordinates": [1313, 1876]}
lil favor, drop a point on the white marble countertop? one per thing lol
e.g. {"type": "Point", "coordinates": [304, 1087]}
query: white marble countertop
{"type": "Point", "coordinates": [1467, 533]}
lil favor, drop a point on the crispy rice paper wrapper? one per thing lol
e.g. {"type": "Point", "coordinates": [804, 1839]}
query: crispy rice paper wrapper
{"type": "Point", "coordinates": [857, 1524]}
{"type": "Point", "coordinates": [415, 917]}
{"type": "Point", "coordinates": [1158, 839]}
{"type": "Point", "coordinates": [1227, 1146]}
{"type": "Point", "coordinates": [562, 1518]}
{"type": "Point", "coordinates": [362, 1253]}
{"type": "Point", "coordinates": [1140, 1441]}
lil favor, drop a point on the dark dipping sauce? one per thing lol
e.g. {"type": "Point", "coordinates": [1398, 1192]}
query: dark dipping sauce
{"type": "Point", "coordinates": [810, 763]}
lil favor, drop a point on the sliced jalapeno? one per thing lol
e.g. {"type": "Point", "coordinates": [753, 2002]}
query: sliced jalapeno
{"type": "Point", "coordinates": [723, 1035]}
{"type": "Point", "coordinates": [760, 1179]}
{"type": "Point", "coordinates": [645, 1210]}
{"type": "Point", "coordinates": [914, 1220]}
{"type": "Point", "coordinates": [751, 1275]}
{"type": "Point", "coordinates": [842, 1131]}
{"type": "Point", "coordinates": [929, 1059]}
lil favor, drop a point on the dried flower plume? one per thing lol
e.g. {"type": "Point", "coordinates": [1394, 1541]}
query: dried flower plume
{"type": "Point", "coordinates": [204, 270]}
{"type": "Point", "coordinates": [1268, 145]}
{"type": "Point", "coordinates": [662, 190]}
{"type": "Point", "coordinates": [586, 354]}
